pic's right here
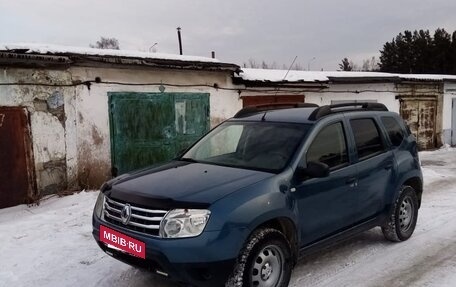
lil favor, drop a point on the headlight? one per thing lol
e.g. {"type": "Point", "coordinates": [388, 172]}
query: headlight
{"type": "Point", "coordinates": [180, 223]}
{"type": "Point", "coordinates": [98, 210]}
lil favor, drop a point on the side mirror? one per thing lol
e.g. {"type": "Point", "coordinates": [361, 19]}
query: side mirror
{"type": "Point", "coordinates": [313, 170]}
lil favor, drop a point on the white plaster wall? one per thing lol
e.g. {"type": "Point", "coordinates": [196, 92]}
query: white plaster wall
{"type": "Point", "coordinates": [47, 132]}
{"type": "Point", "coordinates": [448, 96]}
{"type": "Point", "coordinates": [76, 149]}
{"type": "Point", "coordinates": [91, 108]}
{"type": "Point", "coordinates": [382, 93]}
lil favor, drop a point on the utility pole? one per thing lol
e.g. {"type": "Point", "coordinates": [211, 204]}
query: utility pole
{"type": "Point", "coordinates": [152, 48]}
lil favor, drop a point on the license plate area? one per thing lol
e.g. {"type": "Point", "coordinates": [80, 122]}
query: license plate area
{"type": "Point", "coordinates": [122, 242]}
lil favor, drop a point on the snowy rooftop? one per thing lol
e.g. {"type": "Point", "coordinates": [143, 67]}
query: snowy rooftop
{"type": "Point", "coordinates": [263, 75]}
{"type": "Point", "coordinates": [46, 49]}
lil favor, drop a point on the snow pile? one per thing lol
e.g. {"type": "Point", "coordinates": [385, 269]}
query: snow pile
{"type": "Point", "coordinates": [281, 75]}
{"type": "Point", "coordinates": [52, 245]}
{"type": "Point", "coordinates": [32, 48]}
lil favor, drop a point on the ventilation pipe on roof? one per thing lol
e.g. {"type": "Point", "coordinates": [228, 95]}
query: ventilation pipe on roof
{"type": "Point", "coordinates": [180, 39]}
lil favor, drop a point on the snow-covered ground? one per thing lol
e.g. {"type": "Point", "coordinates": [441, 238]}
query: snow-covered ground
{"type": "Point", "coordinates": [51, 245]}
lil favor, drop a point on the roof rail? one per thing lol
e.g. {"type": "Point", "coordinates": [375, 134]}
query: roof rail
{"type": "Point", "coordinates": [346, 107]}
{"type": "Point", "coordinates": [250, 110]}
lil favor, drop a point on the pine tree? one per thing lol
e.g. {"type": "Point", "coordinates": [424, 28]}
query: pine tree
{"type": "Point", "coordinates": [422, 56]}
{"type": "Point", "coordinates": [441, 51]}
{"type": "Point", "coordinates": [419, 52]}
{"type": "Point", "coordinates": [452, 59]}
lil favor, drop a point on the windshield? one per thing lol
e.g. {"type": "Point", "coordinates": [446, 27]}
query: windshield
{"type": "Point", "coordinates": [252, 145]}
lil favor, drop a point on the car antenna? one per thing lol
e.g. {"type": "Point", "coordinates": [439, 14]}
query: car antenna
{"type": "Point", "coordinates": [264, 116]}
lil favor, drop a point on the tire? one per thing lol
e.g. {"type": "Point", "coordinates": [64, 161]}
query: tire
{"type": "Point", "coordinates": [402, 220]}
{"type": "Point", "coordinates": [264, 261]}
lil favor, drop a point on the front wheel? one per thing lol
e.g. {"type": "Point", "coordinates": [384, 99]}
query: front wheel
{"type": "Point", "coordinates": [403, 217]}
{"type": "Point", "coordinates": [265, 261]}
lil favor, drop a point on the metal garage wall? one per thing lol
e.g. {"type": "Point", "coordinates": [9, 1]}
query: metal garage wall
{"type": "Point", "coordinates": [421, 106]}
{"type": "Point", "coordinates": [151, 128]}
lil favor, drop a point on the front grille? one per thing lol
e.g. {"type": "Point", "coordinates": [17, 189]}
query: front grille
{"type": "Point", "coordinates": [142, 220]}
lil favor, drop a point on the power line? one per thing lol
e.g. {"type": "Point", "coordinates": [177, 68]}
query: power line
{"type": "Point", "coordinates": [214, 86]}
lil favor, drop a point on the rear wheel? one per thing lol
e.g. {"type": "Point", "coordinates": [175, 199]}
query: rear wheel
{"type": "Point", "coordinates": [403, 217]}
{"type": "Point", "coordinates": [265, 261]}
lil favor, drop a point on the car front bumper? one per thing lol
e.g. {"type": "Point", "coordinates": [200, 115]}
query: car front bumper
{"type": "Point", "coordinates": [205, 260]}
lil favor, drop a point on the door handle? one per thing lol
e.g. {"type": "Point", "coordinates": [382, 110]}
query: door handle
{"type": "Point", "coordinates": [352, 181]}
{"type": "Point", "coordinates": [388, 165]}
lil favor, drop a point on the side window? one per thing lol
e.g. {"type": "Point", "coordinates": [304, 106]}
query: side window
{"type": "Point", "coordinates": [367, 138]}
{"type": "Point", "coordinates": [395, 132]}
{"type": "Point", "coordinates": [329, 146]}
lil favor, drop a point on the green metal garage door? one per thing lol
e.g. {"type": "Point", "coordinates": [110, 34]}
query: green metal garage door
{"type": "Point", "coordinates": [150, 128]}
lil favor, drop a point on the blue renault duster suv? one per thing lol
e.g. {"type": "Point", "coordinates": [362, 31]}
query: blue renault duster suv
{"type": "Point", "coordinates": [244, 202]}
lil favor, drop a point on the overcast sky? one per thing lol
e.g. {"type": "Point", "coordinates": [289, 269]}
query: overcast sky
{"type": "Point", "coordinates": [237, 30]}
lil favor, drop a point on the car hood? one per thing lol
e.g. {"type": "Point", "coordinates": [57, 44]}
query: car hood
{"type": "Point", "coordinates": [182, 184]}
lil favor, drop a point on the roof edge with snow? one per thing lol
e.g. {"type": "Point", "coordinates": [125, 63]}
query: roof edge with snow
{"type": "Point", "coordinates": [54, 55]}
{"type": "Point", "coordinates": [258, 77]}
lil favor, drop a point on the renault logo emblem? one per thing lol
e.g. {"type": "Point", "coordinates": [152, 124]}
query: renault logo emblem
{"type": "Point", "coordinates": [125, 214]}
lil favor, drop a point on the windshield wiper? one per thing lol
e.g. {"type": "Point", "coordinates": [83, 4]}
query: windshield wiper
{"type": "Point", "coordinates": [188, 159]}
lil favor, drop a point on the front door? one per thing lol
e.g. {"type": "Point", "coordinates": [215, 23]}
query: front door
{"type": "Point", "coordinates": [151, 128]}
{"type": "Point", "coordinates": [327, 205]}
{"type": "Point", "coordinates": [15, 176]}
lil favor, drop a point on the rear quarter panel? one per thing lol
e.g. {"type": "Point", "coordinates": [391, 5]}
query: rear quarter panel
{"type": "Point", "coordinates": [407, 162]}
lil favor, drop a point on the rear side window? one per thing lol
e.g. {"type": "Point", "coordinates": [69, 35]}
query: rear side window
{"type": "Point", "coordinates": [329, 147]}
{"type": "Point", "coordinates": [395, 132]}
{"type": "Point", "coordinates": [367, 138]}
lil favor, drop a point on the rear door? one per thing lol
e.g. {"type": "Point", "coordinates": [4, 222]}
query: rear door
{"type": "Point", "coordinates": [374, 164]}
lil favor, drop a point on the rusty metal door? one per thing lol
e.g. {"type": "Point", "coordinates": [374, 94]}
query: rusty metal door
{"type": "Point", "coordinates": [15, 183]}
{"type": "Point", "coordinates": [420, 116]}
{"type": "Point", "coordinates": [260, 100]}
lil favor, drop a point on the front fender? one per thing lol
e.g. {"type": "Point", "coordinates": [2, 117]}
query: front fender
{"type": "Point", "coordinates": [250, 207]}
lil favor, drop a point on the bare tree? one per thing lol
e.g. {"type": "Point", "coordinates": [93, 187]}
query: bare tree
{"type": "Point", "coordinates": [106, 43]}
{"type": "Point", "coordinates": [252, 63]}
{"type": "Point", "coordinates": [298, 67]}
{"type": "Point", "coordinates": [370, 65]}
{"type": "Point", "coordinates": [346, 65]}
